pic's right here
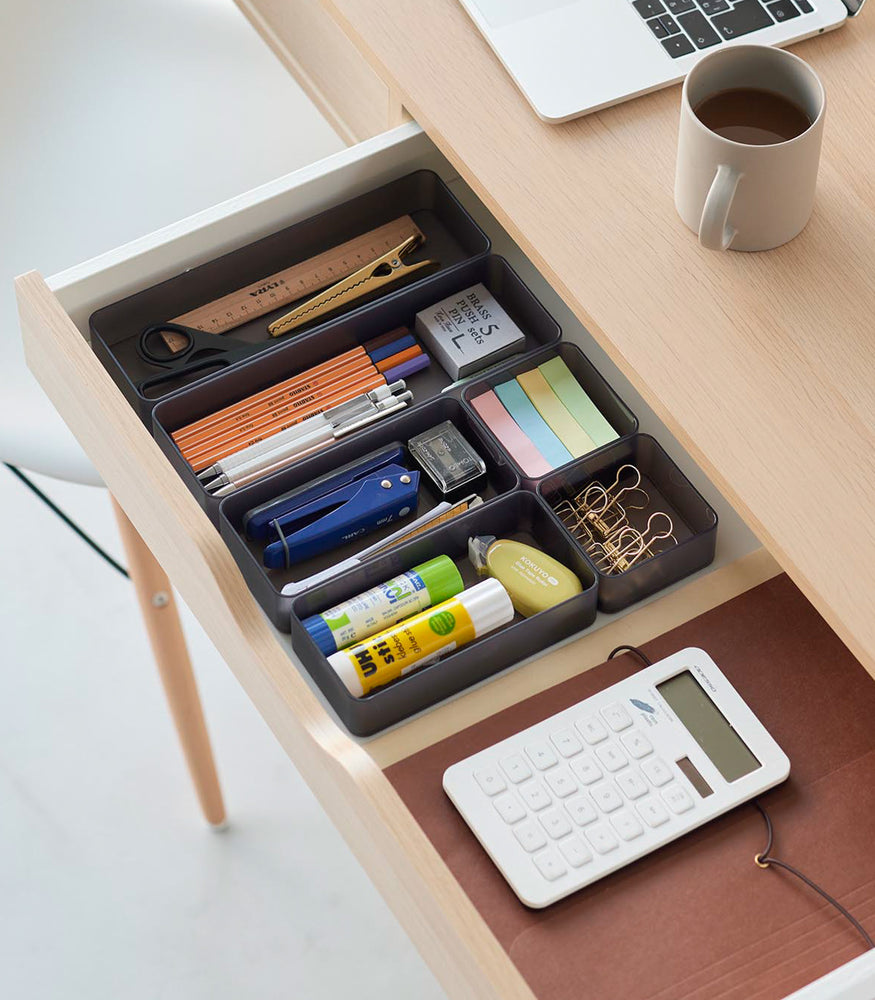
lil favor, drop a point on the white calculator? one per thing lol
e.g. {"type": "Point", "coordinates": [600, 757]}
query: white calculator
{"type": "Point", "coordinates": [599, 785]}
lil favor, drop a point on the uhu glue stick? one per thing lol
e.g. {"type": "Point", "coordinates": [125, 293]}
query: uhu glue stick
{"type": "Point", "coordinates": [423, 638]}
{"type": "Point", "coordinates": [391, 602]}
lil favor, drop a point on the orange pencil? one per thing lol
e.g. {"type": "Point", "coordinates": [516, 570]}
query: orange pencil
{"type": "Point", "coordinates": [399, 358]}
{"type": "Point", "coordinates": [253, 414]}
{"type": "Point", "coordinates": [266, 414]}
{"type": "Point", "coordinates": [291, 382]}
{"type": "Point", "coordinates": [203, 459]}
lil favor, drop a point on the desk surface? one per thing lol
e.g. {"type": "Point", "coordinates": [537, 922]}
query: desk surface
{"type": "Point", "coordinates": [762, 364]}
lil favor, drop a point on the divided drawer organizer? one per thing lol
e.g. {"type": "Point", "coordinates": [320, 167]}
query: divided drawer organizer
{"type": "Point", "coordinates": [515, 504]}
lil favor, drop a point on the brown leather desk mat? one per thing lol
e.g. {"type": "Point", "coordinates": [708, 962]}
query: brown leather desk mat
{"type": "Point", "coordinates": [698, 920]}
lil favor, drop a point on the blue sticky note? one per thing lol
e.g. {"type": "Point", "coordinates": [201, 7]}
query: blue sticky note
{"type": "Point", "coordinates": [531, 423]}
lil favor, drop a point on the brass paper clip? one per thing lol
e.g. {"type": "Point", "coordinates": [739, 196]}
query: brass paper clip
{"type": "Point", "coordinates": [387, 269]}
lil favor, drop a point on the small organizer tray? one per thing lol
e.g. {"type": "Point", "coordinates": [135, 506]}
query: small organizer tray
{"type": "Point", "coordinates": [617, 413]}
{"type": "Point", "coordinates": [669, 491]}
{"type": "Point", "coordinates": [520, 515]}
{"type": "Point", "coordinates": [452, 237]}
{"type": "Point", "coordinates": [300, 353]}
{"type": "Point", "coordinates": [267, 584]}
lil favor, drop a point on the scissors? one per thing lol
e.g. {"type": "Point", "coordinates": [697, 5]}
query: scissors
{"type": "Point", "coordinates": [203, 352]}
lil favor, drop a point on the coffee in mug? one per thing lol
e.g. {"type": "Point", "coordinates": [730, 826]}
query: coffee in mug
{"type": "Point", "coordinates": [754, 117]}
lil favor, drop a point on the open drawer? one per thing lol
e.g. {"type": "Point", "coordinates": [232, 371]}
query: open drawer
{"type": "Point", "coordinates": [345, 773]}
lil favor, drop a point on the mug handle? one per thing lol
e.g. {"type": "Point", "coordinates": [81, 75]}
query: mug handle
{"type": "Point", "coordinates": [715, 232]}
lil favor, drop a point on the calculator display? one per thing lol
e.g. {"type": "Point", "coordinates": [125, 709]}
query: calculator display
{"type": "Point", "coordinates": [708, 726]}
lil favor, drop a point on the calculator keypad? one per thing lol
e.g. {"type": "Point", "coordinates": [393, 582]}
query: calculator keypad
{"type": "Point", "coordinates": [579, 794]}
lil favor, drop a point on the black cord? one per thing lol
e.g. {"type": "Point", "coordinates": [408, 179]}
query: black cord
{"type": "Point", "coordinates": [70, 524]}
{"type": "Point", "coordinates": [765, 860]}
{"type": "Point", "coordinates": [631, 649]}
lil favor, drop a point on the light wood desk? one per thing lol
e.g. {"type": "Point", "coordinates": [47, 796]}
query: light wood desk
{"type": "Point", "coordinates": [759, 364]}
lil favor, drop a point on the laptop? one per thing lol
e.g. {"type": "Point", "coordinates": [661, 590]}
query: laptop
{"type": "Point", "coordinates": [570, 57]}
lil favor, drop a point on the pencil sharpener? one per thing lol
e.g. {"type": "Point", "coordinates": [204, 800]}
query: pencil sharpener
{"type": "Point", "coordinates": [447, 458]}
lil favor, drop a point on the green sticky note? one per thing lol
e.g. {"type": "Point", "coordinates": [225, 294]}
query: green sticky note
{"type": "Point", "coordinates": [576, 401]}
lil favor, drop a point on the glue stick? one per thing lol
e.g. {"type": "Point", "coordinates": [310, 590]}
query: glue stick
{"type": "Point", "coordinates": [387, 604]}
{"type": "Point", "coordinates": [424, 638]}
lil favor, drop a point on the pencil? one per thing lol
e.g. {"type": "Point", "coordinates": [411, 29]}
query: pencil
{"type": "Point", "coordinates": [203, 458]}
{"type": "Point", "coordinates": [200, 454]}
{"type": "Point", "coordinates": [241, 406]}
{"type": "Point", "coordinates": [284, 401]}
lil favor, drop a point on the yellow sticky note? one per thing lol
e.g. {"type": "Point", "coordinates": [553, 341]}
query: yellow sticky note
{"type": "Point", "coordinates": [555, 415]}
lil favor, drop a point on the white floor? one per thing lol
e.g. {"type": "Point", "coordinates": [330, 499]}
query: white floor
{"type": "Point", "coordinates": [111, 886]}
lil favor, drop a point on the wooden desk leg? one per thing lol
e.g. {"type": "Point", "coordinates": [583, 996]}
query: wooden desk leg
{"type": "Point", "coordinates": [158, 608]}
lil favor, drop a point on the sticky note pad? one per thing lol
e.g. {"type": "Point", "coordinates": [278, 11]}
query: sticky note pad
{"type": "Point", "coordinates": [559, 420]}
{"type": "Point", "coordinates": [508, 432]}
{"type": "Point", "coordinates": [576, 401]}
{"type": "Point", "coordinates": [519, 406]}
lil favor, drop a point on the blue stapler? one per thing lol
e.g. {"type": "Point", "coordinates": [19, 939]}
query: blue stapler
{"type": "Point", "coordinates": [340, 515]}
{"type": "Point", "coordinates": [258, 523]}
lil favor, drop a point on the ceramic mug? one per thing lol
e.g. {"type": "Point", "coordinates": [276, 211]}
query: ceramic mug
{"type": "Point", "coordinates": [748, 197]}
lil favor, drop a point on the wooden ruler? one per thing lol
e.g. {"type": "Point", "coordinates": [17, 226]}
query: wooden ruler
{"type": "Point", "coordinates": [293, 283]}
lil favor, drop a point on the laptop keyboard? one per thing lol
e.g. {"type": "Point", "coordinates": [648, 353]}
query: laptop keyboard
{"type": "Point", "coordinates": [683, 26]}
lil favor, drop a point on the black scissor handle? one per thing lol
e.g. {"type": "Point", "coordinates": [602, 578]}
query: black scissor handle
{"type": "Point", "coordinates": [165, 360]}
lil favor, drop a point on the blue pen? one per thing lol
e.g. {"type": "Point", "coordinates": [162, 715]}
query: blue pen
{"type": "Point", "coordinates": [387, 350]}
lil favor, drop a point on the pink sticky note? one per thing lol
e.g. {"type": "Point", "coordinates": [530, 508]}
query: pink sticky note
{"type": "Point", "coordinates": [507, 430]}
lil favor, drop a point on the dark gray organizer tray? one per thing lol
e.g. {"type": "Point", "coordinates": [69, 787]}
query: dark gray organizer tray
{"type": "Point", "coordinates": [266, 584]}
{"type": "Point", "coordinates": [520, 515]}
{"type": "Point", "coordinates": [297, 355]}
{"type": "Point", "coordinates": [695, 522]}
{"type": "Point", "coordinates": [617, 413]}
{"type": "Point", "coordinates": [452, 237]}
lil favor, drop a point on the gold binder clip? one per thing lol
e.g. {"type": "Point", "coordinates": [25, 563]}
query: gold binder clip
{"type": "Point", "coordinates": [596, 510]}
{"type": "Point", "coordinates": [598, 517]}
{"type": "Point", "coordinates": [388, 269]}
{"type": "Point", "coordinates": [629, 546]}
